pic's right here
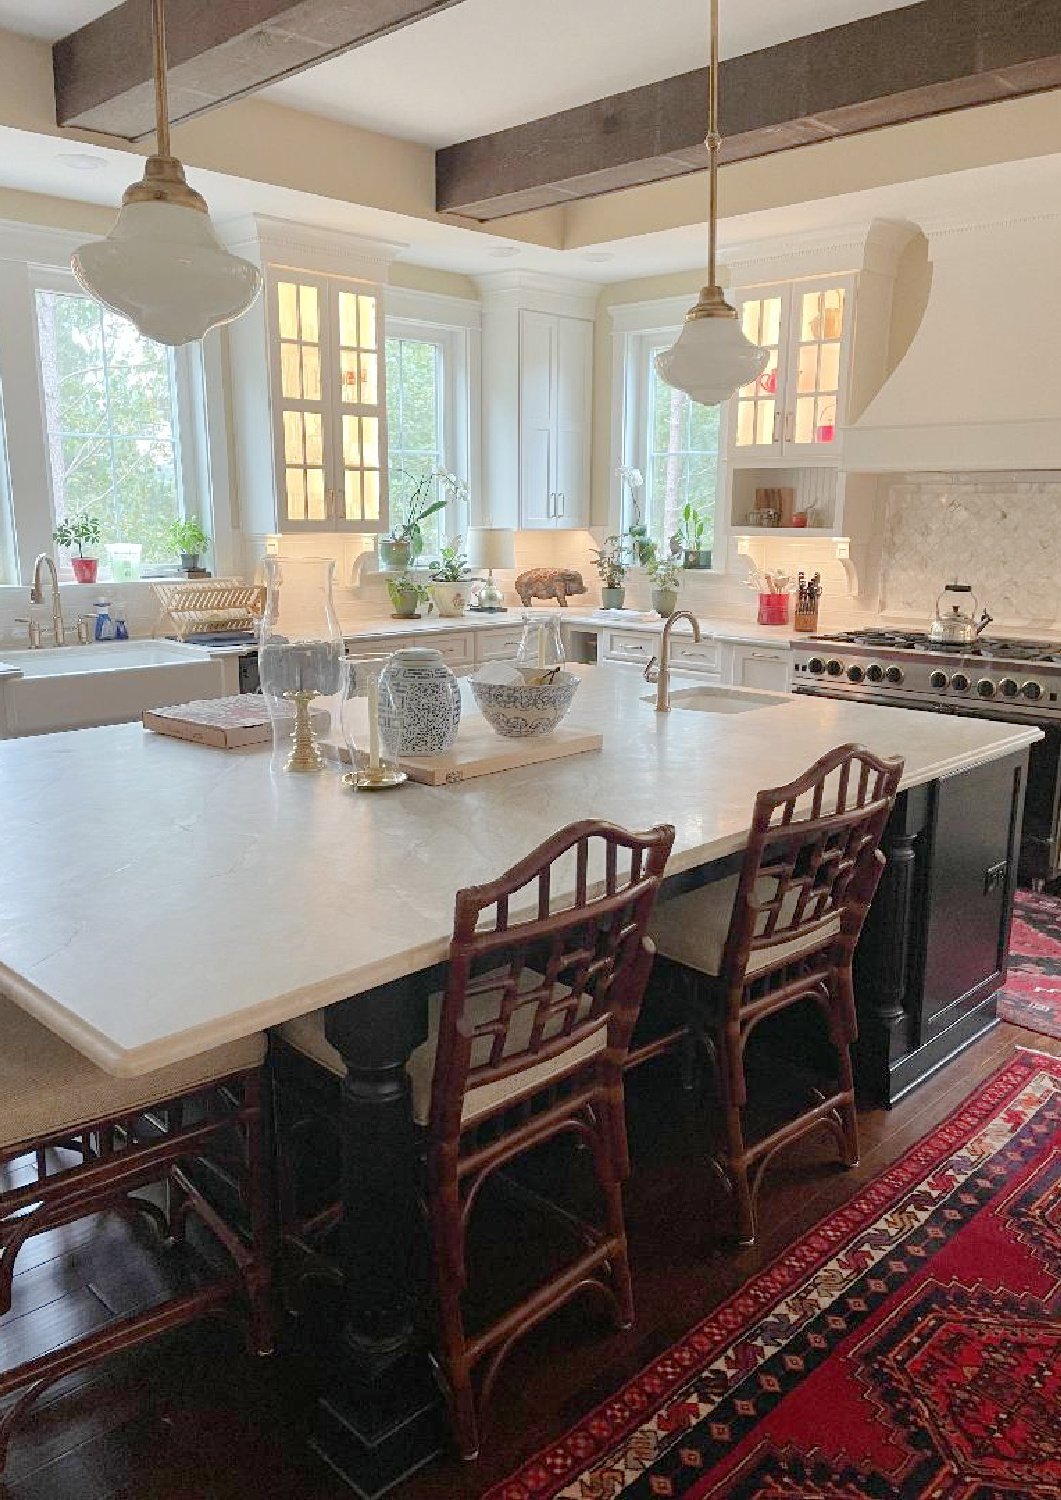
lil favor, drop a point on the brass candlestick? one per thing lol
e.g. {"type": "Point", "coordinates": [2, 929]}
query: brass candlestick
{"type": "Point", "coordinates": [305, 752]}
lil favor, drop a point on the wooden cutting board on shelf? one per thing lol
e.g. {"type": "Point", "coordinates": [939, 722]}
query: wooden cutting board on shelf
{"type": "Point", "coordinates": [479, 751]}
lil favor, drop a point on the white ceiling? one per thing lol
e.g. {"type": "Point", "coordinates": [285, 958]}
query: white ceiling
{"type": "Point", "coordinates": [53, 18]}
{"type": "Point", "coordinates": [483, 65]}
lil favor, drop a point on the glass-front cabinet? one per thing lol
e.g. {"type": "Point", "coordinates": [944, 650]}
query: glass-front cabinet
{"type": "Point", "coordinates": [796, 407]}
{"type": "Point", "coordinates": [328, 401]}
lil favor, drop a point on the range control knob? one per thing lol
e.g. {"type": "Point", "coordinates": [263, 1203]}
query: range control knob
{"type": "Point", "coordinates": [1009, 687]}
{"type": "Point", "coordinates": [817, 666]}
{"type": "Point", "coordinates": [855, 674]}
{"type": "Point", "coordinates": [938, 680]}
{"type": "Point", "coordinates": [960, 682]}
{"type": "Point", "coordinates": [875, 673]}
{"type": "Point", "coordinates": [894, 675]}
{"type": "Point", "coordinates": [1033, 691]}
{"type": "Point", "coordinates": [834, 668]}
{"type": "Point", "coordinates": [985, 688]}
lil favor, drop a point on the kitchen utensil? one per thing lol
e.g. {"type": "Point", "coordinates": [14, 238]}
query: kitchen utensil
{"type": "Point", "coordinates": [954, 624]}
{"type": "Point", "coordinates": [807, 595]}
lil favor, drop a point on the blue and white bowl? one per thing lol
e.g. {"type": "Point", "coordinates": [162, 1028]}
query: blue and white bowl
{"type": "Point", "coordinates": [518, 710]}
{"type": "Point", "coordinates": [420, 703]}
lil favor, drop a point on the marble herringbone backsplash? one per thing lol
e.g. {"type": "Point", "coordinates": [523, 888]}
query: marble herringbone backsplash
{"type": "Point", "coordinates": [999, 532]}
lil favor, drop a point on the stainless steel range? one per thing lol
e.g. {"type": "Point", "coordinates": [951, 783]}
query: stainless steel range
{"type": "Point", "coordinates": [1014, 680]}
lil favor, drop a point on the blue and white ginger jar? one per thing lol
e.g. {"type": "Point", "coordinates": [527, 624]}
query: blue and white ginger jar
{"type": "Point", "coordinates": [420, 708]}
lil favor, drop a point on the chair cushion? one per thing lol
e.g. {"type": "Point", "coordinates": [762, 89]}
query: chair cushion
{"type": "Point", "coordinates": [46, 1086]}
{"type": "Point", "coordinates": [692, 929]}
{"type": "Point", "coordinates": [306, 1035]}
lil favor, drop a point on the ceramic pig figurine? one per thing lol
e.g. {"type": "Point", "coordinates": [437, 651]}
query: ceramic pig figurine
{"type": "Point", "coordinates": [549, 583]}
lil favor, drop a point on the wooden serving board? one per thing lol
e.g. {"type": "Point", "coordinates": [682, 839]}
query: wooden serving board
{"type": "Point", "coordinates": [479, 751]}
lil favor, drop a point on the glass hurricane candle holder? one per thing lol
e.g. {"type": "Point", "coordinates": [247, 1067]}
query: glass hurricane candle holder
{"type": "Point", "coordinates": [374, 766]}
{"type": "Point", "coordinates": [542, 646]}
{"type": "Point", "coordinates": [300, 659]}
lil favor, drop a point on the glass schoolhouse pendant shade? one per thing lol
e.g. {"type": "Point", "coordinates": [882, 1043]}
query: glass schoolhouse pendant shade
{"type": "Point", "coordinates": [162, 266]}
{"type": "Point", "coordinates": [711, 358]}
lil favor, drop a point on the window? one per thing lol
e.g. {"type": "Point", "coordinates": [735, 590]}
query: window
{"type": "Point", "coordinates": [416, 383]}
{"type": "Point", "coordinates": [110, 417]}
{"type": "Point", "coordinates": [680, 446]}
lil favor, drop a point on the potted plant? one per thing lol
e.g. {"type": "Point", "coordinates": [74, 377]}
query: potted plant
{"type": "Point", "coordinates": [692, 534]}
{"type": "Point", "coordinates": [611, 570]}
{"type": "Point", "coordinates": [642, 547]}
{"type": "Point", "coordinates": [665, 575]}
{"type": "Point", "coordinates": [405, 541]}
{"type": "Point", "coordinates": [449, 580]}
{"type": "Point", "coordinates": [189, 539]}
{"type": "Point", "coordinates": [406, 594]}
{"type": "Point", "coordinates": [80, 531]}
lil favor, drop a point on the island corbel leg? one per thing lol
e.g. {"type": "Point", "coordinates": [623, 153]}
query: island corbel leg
{"type": "Point", "coordinates": [382, 1416]}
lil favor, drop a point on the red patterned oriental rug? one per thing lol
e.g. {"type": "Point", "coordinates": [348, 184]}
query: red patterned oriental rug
{"type": "Point", "coordinates": [907, 1348]}
{"type": "Point", "coordinates": [1032, 996]}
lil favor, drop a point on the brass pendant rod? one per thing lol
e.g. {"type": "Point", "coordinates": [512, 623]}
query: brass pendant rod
{"type": "Point", "coordinates": [713, 143]}
{"type": "Point", "coordinates": [158, 39]}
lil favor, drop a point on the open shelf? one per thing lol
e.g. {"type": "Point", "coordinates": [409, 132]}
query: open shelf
{"type": "Point", "coordinates": [793, 533]}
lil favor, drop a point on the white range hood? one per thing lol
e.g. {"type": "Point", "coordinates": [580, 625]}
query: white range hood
{"type": "Point", "coordinates": [980, 384]}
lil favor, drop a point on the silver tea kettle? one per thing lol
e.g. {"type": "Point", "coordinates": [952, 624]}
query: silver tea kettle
{"type": "Point", "coordinates": [954, 625]}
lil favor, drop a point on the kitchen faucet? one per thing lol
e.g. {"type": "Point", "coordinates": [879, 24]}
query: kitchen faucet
{"type": "Point", "coordinates": [36, 595]}
{"type": "Point", "coordinates": [660, 674]}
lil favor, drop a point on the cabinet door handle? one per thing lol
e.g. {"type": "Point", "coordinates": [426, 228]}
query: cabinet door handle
{"type": "Point", "coordinates": [777, 426]}
{"type": "Point", "coordinates": [788, 426]}
{"type": "Point", "coordinates": [561, 504]}
{"type": "Point", "coordinates": [764, 656]}
{"type": "Point", "coordinates": [551, 511]}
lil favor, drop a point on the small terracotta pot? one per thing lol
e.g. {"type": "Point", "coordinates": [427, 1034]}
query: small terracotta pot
{"type": "Point", "coordinates": [85, 568]}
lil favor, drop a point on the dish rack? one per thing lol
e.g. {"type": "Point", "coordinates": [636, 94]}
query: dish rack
{"type": "Point", "coordinates": [191, 606]}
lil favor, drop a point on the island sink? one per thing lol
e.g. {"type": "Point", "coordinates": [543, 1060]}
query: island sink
{"type": "Point", "coordinates": [105, 683]}
{"type": "Point", "coordinates": [722, 700]}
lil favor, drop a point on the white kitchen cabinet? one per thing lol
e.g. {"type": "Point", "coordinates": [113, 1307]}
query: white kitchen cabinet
{"type": "Point", "coordinates": [797, 407]}
{"type": "Point", "coordinates": [766, 667]}
{"type": "Point", "coordinates": [309, 390]}
{"type": "Point", "coordinates": [555, 394]}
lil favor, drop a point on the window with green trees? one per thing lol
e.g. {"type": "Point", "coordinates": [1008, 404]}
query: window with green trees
{"type": "Point", "coordinates": [110, 414]}
{"type": "Point", "coordinates": [415, 432]}
{"type": "Point", "coordinates": [682, 457]}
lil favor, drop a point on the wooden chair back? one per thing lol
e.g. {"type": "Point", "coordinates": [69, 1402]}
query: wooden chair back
{"type": "Point", "coordinates": [549, 973]}
{"type": "Point", "coordinates": [813, 856]}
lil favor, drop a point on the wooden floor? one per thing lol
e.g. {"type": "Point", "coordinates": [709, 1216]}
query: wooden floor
{"type": "Point", "coordinates": [193, 1416]}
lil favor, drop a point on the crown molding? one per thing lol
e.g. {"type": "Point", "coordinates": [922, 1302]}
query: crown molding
{"type": "Point", "coordinates": [306, 247]}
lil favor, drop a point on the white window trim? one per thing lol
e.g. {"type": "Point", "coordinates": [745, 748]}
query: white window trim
{"type": "Point", "coordinates": [456, 323]}
{"type": "Point", "coordinates": [32, 258]}
{"type": "Point", "coordinates": [635, 327]}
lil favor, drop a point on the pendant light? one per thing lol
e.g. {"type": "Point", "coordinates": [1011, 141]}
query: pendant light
{"type": "Point", "coordinates": [712, 357]}
{"type": "Point", "coordinates": [162, 265]}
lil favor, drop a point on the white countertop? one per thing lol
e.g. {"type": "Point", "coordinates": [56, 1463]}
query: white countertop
{"type": "Point", "coordinates": [158, 898]}
{"type": "Point", "coordinates": [368, 627]}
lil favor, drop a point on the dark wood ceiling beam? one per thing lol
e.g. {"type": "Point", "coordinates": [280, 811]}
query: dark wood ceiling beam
{"type": "Point", "coordinates": [907, 64]}
{"type": "Point", "coordinates": [218, 50]}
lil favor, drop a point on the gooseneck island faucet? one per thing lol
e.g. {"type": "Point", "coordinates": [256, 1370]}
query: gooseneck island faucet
{"type": "Point", "coordinates": [36, 595]}
{"type": "Point", "coordinates": [660, 674]}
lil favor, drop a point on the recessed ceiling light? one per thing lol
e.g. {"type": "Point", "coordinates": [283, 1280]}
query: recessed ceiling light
{"type": "Point", "coordinates": [505, 252]}
{"type": "Point", "coordinates": [82, 161]}
{"type": "Point", "coordinates": [598, 257]}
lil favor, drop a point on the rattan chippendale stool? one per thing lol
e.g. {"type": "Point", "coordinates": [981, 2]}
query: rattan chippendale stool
{"type": "Point", "coordinates": [94, 1141]}
{"type": "Point", "coordinates": [527, 1043]}
{"type": "Point", "coordinates": [782, 934]}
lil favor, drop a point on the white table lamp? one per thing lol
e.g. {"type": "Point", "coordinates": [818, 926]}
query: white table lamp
{"type": "Point", "coordinates": [491, 547]}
